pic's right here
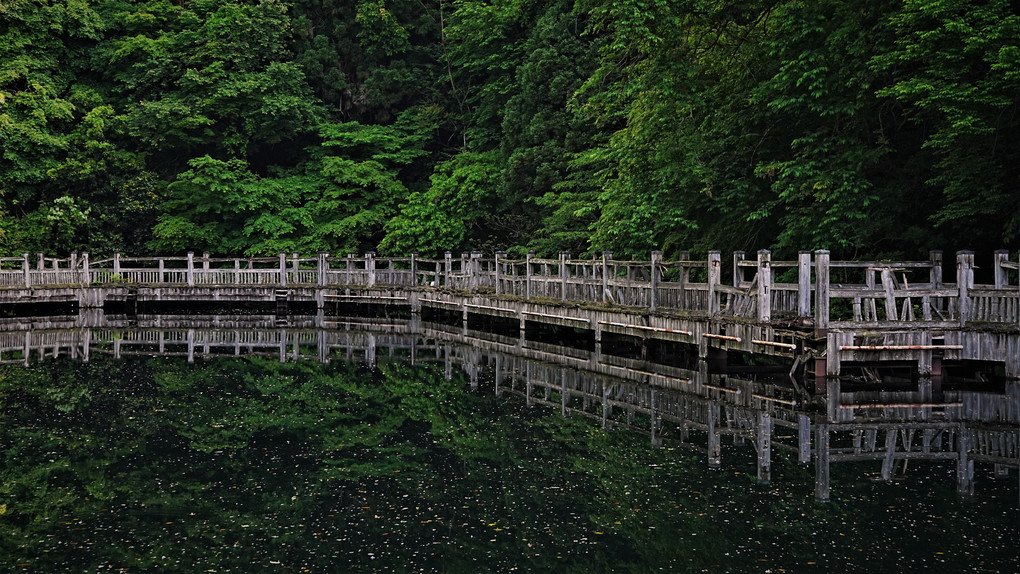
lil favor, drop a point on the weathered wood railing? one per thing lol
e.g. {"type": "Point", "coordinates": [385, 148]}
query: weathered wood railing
{"type": "Point", "coordinates": [812, 290]}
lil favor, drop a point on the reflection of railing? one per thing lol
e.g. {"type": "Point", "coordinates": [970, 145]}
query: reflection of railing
{"type": "Point", "coordinates": [668, 403]}
{"type": "Point", "coordinates": [811, 289]}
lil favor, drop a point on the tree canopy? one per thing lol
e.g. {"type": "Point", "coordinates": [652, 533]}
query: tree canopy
{"type": "Point", "coordinates": [261, 126]}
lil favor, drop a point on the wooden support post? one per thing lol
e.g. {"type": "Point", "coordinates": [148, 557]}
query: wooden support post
{"type": "Point", "coordinates": [370, 268]}
{"type": "Point", "coordinates": [738, 273]}
{"type": "Point", "coordinates": [1000, 257]}
{"type": "Point", "coordinates": [40, 263]}
{"type": "Point", "coordinates": [714, 276]}
{"type": "Point", "coordinates": [653, 297]}
{"type": "Point", "coordinates": [414, 268]}
{"type": "Point", "coordinates": [190, 271]}
{"type": "Point", "coordinates": [821, 289]}
{"type": "Point", "coordinates": [295, 267]}
{"type": "Point", "coordinates": [964, 282]}
{"type": "Point", "coordinates": [447, 268]}
{"type": "Point", "coordinates": [804, 285]}
{"type": "Point", "coordinates": [564, 274]}
{"type": "Point", "coordinates": [498, 262]}
{"type": "Point", "coordinates": [24, 269]}
{"type": "Point", "coordinates": [764, 286]}
{"type": "Point", "coordinates": [205, 261]}
{"type": "Point", "coordinates": [322, 269]}
{"type": "Point", "coordinates": [116, 263]}
{"type": "Point", "coordinates": [283, 270]}
{"type": "Point", "coordinates": [822, 462]}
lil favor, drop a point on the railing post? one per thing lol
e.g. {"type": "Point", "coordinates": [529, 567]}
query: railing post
{"type": "Point", "coordinates": [24, 269]}
{"type": "Point", "coordinates": [295, 266]}
{"type": "Point", "coordinates": [607, 256]}
{"type": "Point", "coordinates": [162, 265]}
{"type": "Point", "coordinates": [205, 261]}
{"type": "Point", "coordinates": [527, 274]}
{"type": "Point", "coordinates": [653, 298]}
{"type": "Point", "coordinates": [684, 279]}
{"type": "Point", "coordinates": [322, 268]}
{"type": "Point", "coordinates": [85, 267]}
{"type": "Point", "coordinates": [1000, 257]}
{"type": "Point", "coordinates": [738, 273]}
{"type": "Point", "coordinates": [237, 272]}
{"type": "Point", "coordinates": [964, 282]}
{"type": "Point", "coordinates": [804, 285]}
{"type": "Point", "coordinates": [370, 267]}
{"type": "Point", "coordinates": [714, 277]}
{"type": "Point", "coordinates": [414, 268]}
{"type": "Point", "coordinates": [283, 270]}
{"type": "Point", "coordinates": [935, 256]}
{"type": "Point", "coordinates": [498, 258]}
{"type": "Point", "coordinates": [764, 286]}
{"type": "Point", "coordinates": [191, 269]}
{"type": "Point", "coordinates": [564, 274]}
{"type": "Point", "coordinates": [447, 269]}
{"type": "Point", "coordinates": [474, 270]}
{"type": "Point", "coordinates": [116, 263]}
{"type": "Point", "coordinates": [40, 263]}
{"type": "Point", "coordinates": [822, 289]}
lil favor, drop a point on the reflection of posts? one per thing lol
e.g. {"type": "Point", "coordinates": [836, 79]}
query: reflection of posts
{"type": "Point", "coordinates": [656, 422]}
{"type": "Point", "coordinates": [964, 466]}
{"type": "Point", "coordinates": [714, 442]}
{"type": "Point", "coordinates": [822, 462]}
{"type": "Point", "coordinates": [764, 445]}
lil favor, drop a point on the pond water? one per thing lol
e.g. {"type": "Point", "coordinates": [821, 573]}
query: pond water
{"type": "Point", "coordinates": [249, 463]}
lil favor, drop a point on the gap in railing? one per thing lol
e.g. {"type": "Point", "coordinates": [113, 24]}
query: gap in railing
{"type": "Point", "coordinates": [972, 374]}
{"type": "Point", "coordinates": [574, 337]}
{"type": "Point", "coordinates": [365, 310]}
{"type": "Point", "coordinates": [47, 309]}
{"type": "Point", "coordinates": [506, 326]}
{"type": "Point", "coordinates": [443, 316]}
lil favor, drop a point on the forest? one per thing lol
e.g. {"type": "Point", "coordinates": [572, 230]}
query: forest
{"type": "Point", "coordinates": [879, 129]}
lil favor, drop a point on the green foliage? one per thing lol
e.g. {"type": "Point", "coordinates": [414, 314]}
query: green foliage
{"type": "Point", "coordinates": [337, 201]}
{"type": "Point", "coordinates": [442, 217]}
{"type": "Point", "coordinates": [957, 68]}
{"type": "Point", "coordinates": [630, 125]}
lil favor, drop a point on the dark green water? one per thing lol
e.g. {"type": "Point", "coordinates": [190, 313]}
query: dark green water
{"type": "Point", "coordinates": [253, 465]}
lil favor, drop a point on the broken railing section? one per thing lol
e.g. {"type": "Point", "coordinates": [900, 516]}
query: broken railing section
{"type": "Point", "coordinates": [812, 290]}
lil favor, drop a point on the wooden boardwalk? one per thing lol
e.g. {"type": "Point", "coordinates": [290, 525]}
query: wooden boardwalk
{"type": "Point", "coordinates": [813, 311]}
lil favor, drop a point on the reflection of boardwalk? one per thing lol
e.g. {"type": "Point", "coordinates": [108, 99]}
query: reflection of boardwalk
{"type": "Point", "coordinates": [690, 406]}
{"type": "Point", "coordinates": [812, 311]}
